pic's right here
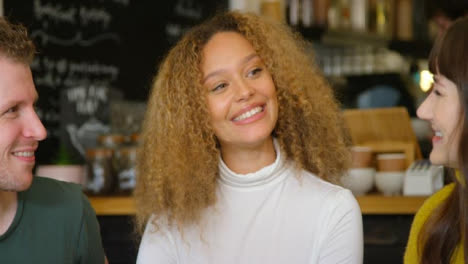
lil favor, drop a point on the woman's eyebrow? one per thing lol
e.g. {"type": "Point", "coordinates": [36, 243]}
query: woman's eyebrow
{"type": "Point", "coordinates": [243, 61]}
{"type": "Point", "coordinates": [249, 58]}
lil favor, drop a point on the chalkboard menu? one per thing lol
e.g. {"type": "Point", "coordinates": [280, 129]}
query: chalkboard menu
{"type": "Point", "coordinates": [91, 51]}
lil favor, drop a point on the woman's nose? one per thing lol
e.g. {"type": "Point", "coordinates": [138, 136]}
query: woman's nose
{"type": "Point", "coordinates": [424, 110]}
{"type": "Point", "coordinates": [244, 90]}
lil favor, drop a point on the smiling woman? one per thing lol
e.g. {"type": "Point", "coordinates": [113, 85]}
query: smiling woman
{"type": "Point", "coordinates": [440, 228]}
{"type": "Point", "coordinates": [442, 109]}
{"type": "Point", "coordinates": [241, 140]}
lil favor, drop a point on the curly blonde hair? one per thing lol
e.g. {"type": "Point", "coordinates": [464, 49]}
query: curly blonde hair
{"type": "Point", "coordinates": [178, 158]}
{"type": "Point", "coordinates": [15, 43]}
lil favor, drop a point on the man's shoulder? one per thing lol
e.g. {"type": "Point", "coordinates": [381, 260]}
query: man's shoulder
{"type": "Point", "coordinates": [47, 187]}
{"type": "Point", "coordinates": [53, 214]}
{"type": "Point", "coordinates": [54, 195]}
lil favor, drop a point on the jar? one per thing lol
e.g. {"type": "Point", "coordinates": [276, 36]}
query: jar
{"type": "Point", "coordinates": [125, 161]}
{"type": "Point", "coordinates": [273, 9]}
{"type": "Point", "coordinates": [100, 180]}
{"type": "Point", "coordinates": [111, 140]}
{"type": "Point", "coordinates": [135, 139]}
{"type": "Point", "coordinates": [404, 22]}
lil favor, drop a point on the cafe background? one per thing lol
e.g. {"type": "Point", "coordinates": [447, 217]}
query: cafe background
{"type": "Point", "coordinates": [96, 60]}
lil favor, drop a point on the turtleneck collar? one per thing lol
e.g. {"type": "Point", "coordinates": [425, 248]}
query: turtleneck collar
{"type": "Point", "coordinates": [261, 177]}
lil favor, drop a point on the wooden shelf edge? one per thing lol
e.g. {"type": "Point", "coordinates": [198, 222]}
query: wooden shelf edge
{"type": "Point", "coordinates": [112, 205]}
{"type": "Point", "coordinates": [379, 204]}
{"type": "Point", "coordinates": [370, 204]}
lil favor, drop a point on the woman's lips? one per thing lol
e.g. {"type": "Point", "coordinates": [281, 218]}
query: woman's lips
{"type": "Point", "coordinates": [248, 114]}
{"type": "Point", "coordinates": [252, 115]}
{"type": "Point", "coordinates": [437, 137]}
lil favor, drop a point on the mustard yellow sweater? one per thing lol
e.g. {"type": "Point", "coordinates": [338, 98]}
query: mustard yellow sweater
{"type": "Point", "coordinates": [411, 254]}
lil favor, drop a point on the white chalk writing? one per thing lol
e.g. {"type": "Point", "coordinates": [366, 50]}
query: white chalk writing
{"type": "Point", "coordinates": [76, 40]}
{"type": "Point", "coordinates": [95, 15]}
{"type": "Point", "coordinates": [173, 30]}
{"type": "Point", "coordinates": [188, 9]}
{"type": "Point", "coordinates": [121, 2]}
{"type": "Point", "coordinates": [54, 12]}
{"type": "Point", "coordinates": [53, 16]}
{"type": "Point", "coordinates": [87, 99]}
{"type": "Point", "coordinates": [56, 73]}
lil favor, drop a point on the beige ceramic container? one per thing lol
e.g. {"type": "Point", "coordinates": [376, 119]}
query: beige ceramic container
{"type": "Point", "coordinates": [361, 157]}
{"type": "Point", "coordinates": [391, 162]}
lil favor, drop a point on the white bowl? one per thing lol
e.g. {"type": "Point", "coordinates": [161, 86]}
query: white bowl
{"type": "Point", "coordinates": [359, 180]}
{"type": "Point", "coordinates": [389, 183]}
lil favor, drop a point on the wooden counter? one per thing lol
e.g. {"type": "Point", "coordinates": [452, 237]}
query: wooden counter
{"type": "Point", "coordinates": [379, 204]}
{"type": "Point", "coordinates": [370, 204]}
{"type": "Point", "coordinates": [112, 205]}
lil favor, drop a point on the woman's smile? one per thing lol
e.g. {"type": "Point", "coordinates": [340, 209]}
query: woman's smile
{"type": "Point", "coordinates": [249, 115]}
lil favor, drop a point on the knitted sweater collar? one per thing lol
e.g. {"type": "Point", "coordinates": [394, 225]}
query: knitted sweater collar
{"type": "Point", "coordinates": [261, 177]}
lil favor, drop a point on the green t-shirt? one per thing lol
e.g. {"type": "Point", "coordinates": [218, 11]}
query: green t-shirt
{"type": "Point", "coordinates": [54, 223]}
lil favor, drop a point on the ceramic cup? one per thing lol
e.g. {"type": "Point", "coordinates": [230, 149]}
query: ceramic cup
{"type": "Point", "coordinates": [361, 157]}
{"type": "Point", "coordinates": [391, 162]}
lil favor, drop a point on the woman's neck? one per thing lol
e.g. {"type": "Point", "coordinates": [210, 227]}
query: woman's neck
{"type": "Point", "coordinates": [248, 159]}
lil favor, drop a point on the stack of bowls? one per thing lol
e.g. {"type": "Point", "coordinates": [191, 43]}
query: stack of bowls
{"type": "Point", "coordinates": [360, 178]}
{"type": "Point", "coordinates": [391, 172]}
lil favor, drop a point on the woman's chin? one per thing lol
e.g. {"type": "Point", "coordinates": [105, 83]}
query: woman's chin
{"type": "Point", "coordinates": [439, 159]}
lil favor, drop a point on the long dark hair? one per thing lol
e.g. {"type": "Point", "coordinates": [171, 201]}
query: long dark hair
{"type": "Point", "coordinates": [448, 225]}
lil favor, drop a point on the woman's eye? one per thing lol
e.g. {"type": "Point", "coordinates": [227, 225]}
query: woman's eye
{"type": "Point", "coordinates": [254, 72]}
{"type": "Point", "coordinates": [219, 87]}
{"type": "Point", "coordinates": [436, 92]}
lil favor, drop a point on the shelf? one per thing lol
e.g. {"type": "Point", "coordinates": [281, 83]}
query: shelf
{"type": "Point", "coordinates": [353, 38]}
{"type": "Point", "coordinates": [113, 205]}
{"type": "Point", "coordinates": [417, 48]}
{"type": "Point", "coordinates": [379, 204]}
{"type": "Point", "coordinates": [370, 204]}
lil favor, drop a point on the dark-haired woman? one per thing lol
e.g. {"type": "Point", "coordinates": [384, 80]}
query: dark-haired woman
{"type": "Point", "coordinates": [438, 233]}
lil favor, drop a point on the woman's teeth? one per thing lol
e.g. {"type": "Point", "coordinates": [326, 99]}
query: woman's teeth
{"type": "Point", "coordinates": [438, 134]}
{"type": "Point", "coordinates": [24, 154]}
{"type": "Point", "coordinates": [248, 114]}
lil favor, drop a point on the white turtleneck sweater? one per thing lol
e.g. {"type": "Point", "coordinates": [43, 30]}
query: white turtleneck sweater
{"type": "Point", "coordinates": [270, 216]}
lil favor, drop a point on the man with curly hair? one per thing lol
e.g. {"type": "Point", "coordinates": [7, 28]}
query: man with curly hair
{"type": "Point", "coordinates": [241, 141]}
{"type": "Point", "coordinates": [41, 220]}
